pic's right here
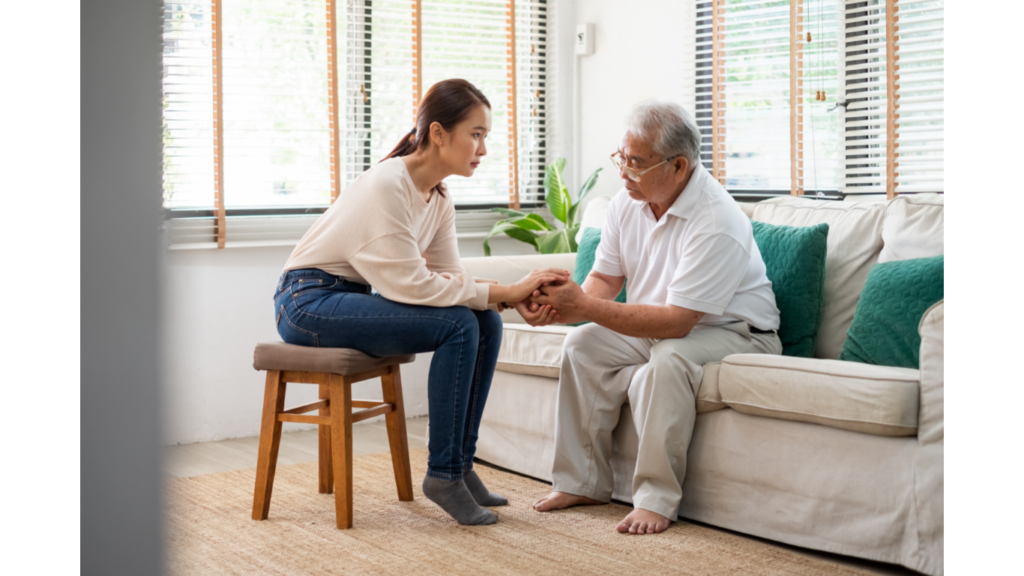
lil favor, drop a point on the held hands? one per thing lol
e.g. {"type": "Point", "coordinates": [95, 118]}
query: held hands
{"type": "Point", "coordinates": [530, 283]}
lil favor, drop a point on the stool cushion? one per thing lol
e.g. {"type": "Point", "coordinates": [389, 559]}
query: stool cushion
{"type": "Point", "coordinates": [281, 356]}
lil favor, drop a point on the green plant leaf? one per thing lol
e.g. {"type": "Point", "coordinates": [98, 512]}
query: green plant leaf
{"type": "Point", "coordinates": [530, 223]}
{"type": "Point", "coordinates": [510, 212]}
{"type": "Point", "coordinates": [571, 233]}
{"type": "Point", "coordinates": [540, 222]}
{"type": "Point", "coordinates": [555, 243]}
{"type": "Point", "coordinates": [512, 231]}
{"type": "Point", "coordinates": [588, 185]}
{"type": "Point", "coordinates": [555, 192]}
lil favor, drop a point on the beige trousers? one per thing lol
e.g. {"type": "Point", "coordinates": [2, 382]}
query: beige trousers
{"type": "Point", "coordinates": [602, 370]}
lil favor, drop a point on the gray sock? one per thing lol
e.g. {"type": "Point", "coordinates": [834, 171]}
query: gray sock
{"type": "Point", "coordinates": [455, 499]}
{"type": "Point", "coordinates": [480, 493]}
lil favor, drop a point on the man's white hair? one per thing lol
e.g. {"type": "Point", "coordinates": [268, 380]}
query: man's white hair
{"type": "Point", "coordinates": [667, 127]}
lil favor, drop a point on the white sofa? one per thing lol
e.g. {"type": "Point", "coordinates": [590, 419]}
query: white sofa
{"type": "Point", "coordinates": [814, 452]}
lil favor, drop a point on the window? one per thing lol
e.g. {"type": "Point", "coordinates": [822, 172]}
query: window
{"type": "Point", "coordinates": [799, 96]}
{"type": "Point", "coordinates": [263, 113]}
{"type": "Point", "coordinates": [901, 103]}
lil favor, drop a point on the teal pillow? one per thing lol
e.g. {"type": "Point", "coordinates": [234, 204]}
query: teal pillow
{"type": "Point", "coordinates": [585, 255]}
{"type": "Point", "coordinates": [794, 258]}
{"type": "Point", "coordinates": [895, 297]}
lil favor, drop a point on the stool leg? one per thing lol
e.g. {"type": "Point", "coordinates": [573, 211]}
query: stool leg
{"type": "Point", "coordinates": [392, 389]}
{"type": "Point", "coordinates": [341, 448]}
{"type": "Point", "coordinates": [326, 471]}
{"type": "Point", "coordinates": [270, 442]}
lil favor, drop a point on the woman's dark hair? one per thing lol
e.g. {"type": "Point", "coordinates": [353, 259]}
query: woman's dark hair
{"type": "Point", "coordinates": [448, 102]}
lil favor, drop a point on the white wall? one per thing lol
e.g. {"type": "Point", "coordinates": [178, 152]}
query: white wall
{"type": "Point", "coordinates": [642, 49]}
{"type": "Point", "coordinates": [218, 306]}
{"type": "Point", "coordinates": [219, 301]}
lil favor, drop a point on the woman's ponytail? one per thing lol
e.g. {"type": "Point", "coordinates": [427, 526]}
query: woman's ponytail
{"type": "Point", "coordinates": [405, 146]}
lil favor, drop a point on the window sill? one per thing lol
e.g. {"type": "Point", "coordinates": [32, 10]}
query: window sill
{"type": "Point", "coordinates": [199, 232]}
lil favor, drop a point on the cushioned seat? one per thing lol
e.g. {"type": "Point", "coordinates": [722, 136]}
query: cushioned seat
{"type": "Point", "coordinates": [281, 356]}
{"type": "Point", "coordinates": [879, 400]}
{"type": "Point", "coordinates": [537, 351]}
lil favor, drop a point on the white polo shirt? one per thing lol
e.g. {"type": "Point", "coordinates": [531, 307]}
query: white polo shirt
{"type": "Point", "coordinates": [701, 255]}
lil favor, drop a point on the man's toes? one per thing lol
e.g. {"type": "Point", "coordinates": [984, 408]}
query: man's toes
{"type": "Point", "coordinates": [622, 528]}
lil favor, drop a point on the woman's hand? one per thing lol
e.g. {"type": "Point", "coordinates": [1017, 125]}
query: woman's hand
{"type": "Point", "coordinates": [535, 314]}
{"type": "Point", "coordinates": [531, 282]}
{"type": "Point", "coordinates": [522, 289]}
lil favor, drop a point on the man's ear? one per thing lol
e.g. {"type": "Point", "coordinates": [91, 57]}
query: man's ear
{"type": "Point", "coordinates": [682, 168]}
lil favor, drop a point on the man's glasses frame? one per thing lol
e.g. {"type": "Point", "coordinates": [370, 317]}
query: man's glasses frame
{"type": "Point", "coordinates": [632, 173]}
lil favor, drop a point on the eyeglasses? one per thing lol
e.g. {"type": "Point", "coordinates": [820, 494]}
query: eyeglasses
{"type": "Point", "coordinates": [632, 173]}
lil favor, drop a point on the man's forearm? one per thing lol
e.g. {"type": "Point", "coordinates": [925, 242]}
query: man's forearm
{"type": "Point", "coordinates": [640, 320]}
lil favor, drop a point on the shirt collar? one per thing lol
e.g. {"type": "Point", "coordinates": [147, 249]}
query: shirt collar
{"type": "Point", "coordinates": [686, 202]}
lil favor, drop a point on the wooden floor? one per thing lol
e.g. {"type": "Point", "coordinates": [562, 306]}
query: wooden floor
{"type": "Point", "coordinates": [371, 437]}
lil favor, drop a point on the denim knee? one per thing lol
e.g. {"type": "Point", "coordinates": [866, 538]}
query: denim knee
{"type": "Point", "coordinates": [465, 324]}
{"type": "Point", "coordinates": [490, 323]}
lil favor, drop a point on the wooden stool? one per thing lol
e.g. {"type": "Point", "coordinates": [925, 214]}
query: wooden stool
{"type": "Point", "coordinates": [335, 370]}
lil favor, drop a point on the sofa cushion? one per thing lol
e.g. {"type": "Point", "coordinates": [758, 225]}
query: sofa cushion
{"type": "Point", "coordinates": [794, 259]}
{"type": "Point", "coordinates": [913, 227]}
{"type": "Point", "coordinates": [879, 400]}
{"type": "Point", "coordinates": [854, 241]}
{"type": "Point", "coordinates": [537, 350]}
{"type": "Point", "coordinates": [895, 298]}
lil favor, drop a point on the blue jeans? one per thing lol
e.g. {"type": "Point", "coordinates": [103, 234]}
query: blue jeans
{"type": "Point", "coordinates": [314, 308]}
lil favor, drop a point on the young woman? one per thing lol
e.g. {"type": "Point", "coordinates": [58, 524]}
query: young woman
{"type": "Point", "coordinates": [393, 229]}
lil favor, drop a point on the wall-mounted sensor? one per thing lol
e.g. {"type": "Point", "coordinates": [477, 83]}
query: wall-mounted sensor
{"type": "Point", "coordinates": [584, 39]}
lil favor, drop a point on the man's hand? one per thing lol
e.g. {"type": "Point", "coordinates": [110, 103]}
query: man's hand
{"type": "Point", "coordinates": [565, 297]}
{"type": "Point", "coordinates": [535, 314]}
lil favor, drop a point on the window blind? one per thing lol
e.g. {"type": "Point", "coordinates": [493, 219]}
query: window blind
{"type": "Point", "coordinates": [866, 97]}
{"type": "Point", "coordinates": [276, 118]}
{"type": "Point", "coordinates": [188, 127]}
{"type": "Point", "coordinates": [468, 40]}
{"type": "Point", "coordinates": [752, 51]}
{"type": "Point", "coordinates": [919, 48]}
{"type": "Point", "coordinates": [278, 104]}
{"type": "Point", "coordinates": [465, 39]}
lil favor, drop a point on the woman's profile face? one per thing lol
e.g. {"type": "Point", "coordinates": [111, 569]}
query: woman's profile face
{"type": "Point", "coordinates": [464, 146]}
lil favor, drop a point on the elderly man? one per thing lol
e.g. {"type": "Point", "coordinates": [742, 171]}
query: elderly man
{"type": "Point", "coordinates": [697, 293]}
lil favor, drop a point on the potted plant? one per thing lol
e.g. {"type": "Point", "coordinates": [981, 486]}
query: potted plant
{"type": "Point", "coordinates": [532, 229]}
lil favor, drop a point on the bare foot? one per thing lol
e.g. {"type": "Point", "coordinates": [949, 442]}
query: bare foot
{"type": "Point", "coordinates": [559, 500]}
{"type": "Point", "coordinates": [641, 521]}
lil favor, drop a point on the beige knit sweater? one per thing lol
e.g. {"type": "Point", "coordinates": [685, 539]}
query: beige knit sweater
{"type": "Point", "coordinates": [380, 232]}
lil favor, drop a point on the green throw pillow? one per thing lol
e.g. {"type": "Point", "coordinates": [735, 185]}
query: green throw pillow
{"type": "Point", "coordinates": [895, 297]}
{"type": "Point", "coordinates": [794, 258]}
{"type": "Point", "coordinates": [585, 255]}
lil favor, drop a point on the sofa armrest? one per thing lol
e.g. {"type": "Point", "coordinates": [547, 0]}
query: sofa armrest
{"type": "Point", "coordinates": [509, 269]}
{"type": "Point", "coordinates": [930, 421]}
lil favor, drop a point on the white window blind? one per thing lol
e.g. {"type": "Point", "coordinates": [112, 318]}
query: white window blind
{"type": "Point", "coordinates": [276, 121]}
{"type": "Point", "coordinates": [753, 51]}
{"type": "Point", "coordinates": [468, 39]}
{"type": "Point", "coordinates": [275, 145]}
{"type": "Point", "coordinates": [921, 99]}
{"type": "Point", "coordinates": [865, 123]}
{"type": "Point", "coordinates": [533, 94]}
{"type": "Point", "coordinates": [378, 81]}
{"type": "Point", "coordinates": [188, 176]}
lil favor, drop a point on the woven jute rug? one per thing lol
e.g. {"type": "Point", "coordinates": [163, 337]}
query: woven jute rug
{"type": "Point", "coordinates": [209, 531]}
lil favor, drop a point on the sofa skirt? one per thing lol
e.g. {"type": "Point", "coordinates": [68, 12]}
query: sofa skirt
{"type": "Point", "coordinates": [793, 482]}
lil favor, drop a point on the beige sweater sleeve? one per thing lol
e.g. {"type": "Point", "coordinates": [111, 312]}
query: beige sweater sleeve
{"type": "Point", "coordinates": [393, 265]}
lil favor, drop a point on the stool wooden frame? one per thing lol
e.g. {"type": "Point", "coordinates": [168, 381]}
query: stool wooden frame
{"type": "Point", "coordinates": [335, 420]}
